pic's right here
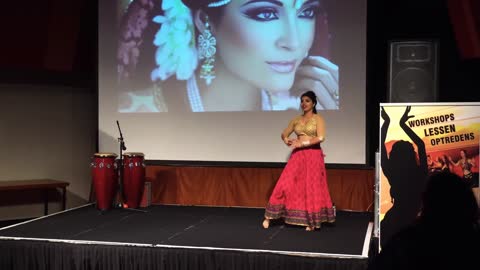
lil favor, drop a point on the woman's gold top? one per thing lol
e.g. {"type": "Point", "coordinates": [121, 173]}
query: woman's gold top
{"type": "Point", "coordinates": [308, 128]}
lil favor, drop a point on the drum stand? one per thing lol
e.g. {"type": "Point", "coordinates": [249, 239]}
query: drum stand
{"type": "Point", "coordinates": [119, 204]}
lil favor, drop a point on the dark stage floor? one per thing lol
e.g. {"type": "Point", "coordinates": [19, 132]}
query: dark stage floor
{"type": "Point", "coordinates": [224, 228]}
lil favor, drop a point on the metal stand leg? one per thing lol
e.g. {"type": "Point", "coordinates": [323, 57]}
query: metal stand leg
{"type": "Point", "coordinates": [45, 196]}
{"type": "Point", "coordinates": [64, 199]}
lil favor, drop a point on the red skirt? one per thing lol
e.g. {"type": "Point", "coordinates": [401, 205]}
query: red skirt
{"type": "Point", "coordinates": [301, 195]}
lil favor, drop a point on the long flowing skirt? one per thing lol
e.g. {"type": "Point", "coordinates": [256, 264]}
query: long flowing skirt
{"type": "Point", "coordinates": [301, 195]}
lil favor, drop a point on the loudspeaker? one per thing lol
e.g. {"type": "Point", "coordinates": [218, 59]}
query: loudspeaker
{"type": "Point", "coordinates": [413, 71]}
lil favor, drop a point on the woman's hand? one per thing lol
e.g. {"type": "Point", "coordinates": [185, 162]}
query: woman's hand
{"type": "Point", "coordinates": [299, 143]}
{"type": "Point", "coordinates": [318, 74]}
{"type": "Point", "coordinates": [405, 115]}
{"type": "Point", "coordinates": [289, 141]}
{"type": "Point", "coordinates": [292, 142]}
{"type": "Point", "coordinates": [296, 144]}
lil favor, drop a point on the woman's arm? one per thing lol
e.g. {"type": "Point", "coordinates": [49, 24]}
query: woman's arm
{"type": "Point", "coordinates": [422, 153]}
{"type": "Point", "coordinates": [472, 162]}
{"type": "Point", "coordinates": [287, 131]}
{"type": "Point", "coordinates": [384, 157]}
{"type": "Point", "coordinates": [450, 160]}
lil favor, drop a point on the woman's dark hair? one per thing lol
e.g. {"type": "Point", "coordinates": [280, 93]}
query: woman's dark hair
{"type": "Point", "coordinates": [214, 13]}
{"type": "Point", "coordinates": [403, 154]}
{"type": "Point", "coordinates": [134, 68]}
{"type": "Point", "coordinates": [311, 95]}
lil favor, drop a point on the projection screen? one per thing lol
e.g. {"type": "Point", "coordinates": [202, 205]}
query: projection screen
{"type": "Point", "coordinates": [220, 80]}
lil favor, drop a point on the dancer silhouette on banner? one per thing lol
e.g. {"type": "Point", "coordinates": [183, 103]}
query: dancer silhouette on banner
{"type": "Point", "coordinates": [405, 175]}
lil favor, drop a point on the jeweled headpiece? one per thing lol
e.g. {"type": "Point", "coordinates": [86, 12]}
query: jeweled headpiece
{"type": "Point", "coordinates": [218, 3]}
{"type": "Point", "coordinates": [176, 50]}
{"type": "Point", "coordinates": [196, 4]}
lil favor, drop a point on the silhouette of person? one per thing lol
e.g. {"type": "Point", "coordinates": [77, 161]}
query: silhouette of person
{"type": "Point", "coordinates": [406, 177]}
{"type": "Point", "coordinates": [445, 235]}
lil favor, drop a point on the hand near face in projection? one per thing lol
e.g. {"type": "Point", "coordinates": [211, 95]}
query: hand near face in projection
{"type": "Point", "coordinates": [318, 74]}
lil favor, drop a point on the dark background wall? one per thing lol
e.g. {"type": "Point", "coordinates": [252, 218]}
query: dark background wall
{"type": "Point", "coordinates": [49, 42]}
{"type": "Point", "coordinates": [54, 42]}
{"type": "Point", "coordinates": [48, 97]}
{"type": "Point", "coordinates": [442, 20]}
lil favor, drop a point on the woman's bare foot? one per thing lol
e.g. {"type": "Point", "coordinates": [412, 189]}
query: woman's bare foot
{"type": "Point", "coordinates": [266, 223]}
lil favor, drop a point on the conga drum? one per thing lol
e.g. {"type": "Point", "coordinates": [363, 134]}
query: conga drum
{"type": "Point", "coordinates": [105, 179]}
{"type": "Point", "coordinates": [133, 178]}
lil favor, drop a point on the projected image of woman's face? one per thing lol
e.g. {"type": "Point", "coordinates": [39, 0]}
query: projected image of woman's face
{"type": "Point", "coordinates": [242, 55]}
{"type": "Point", "coordinates": [263, 42]}
{"type": "Point", "coordinates": [231, 70]}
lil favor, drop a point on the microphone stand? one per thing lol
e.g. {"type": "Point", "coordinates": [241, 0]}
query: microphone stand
{"type": "Point", "coordinates": [120, 173]}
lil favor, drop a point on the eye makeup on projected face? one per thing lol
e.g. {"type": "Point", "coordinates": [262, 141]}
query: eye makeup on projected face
{"type": "Point", "coordinates": [270, 10]}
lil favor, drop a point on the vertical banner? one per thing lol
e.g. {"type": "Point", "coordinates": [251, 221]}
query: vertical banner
{"type": "Point", "coordinates": [417, 140]}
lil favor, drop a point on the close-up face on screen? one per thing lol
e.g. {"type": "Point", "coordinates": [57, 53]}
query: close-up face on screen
{"type": "Point", "coordinates": [238, 55]}
{"type": "Point", "coordinates": [188, 79]}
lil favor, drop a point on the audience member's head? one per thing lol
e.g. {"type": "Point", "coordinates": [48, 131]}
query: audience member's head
{"type": "Point", "coordinates": [449, 206]}
{"type": "Point", "coordinates": [448, 197]}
